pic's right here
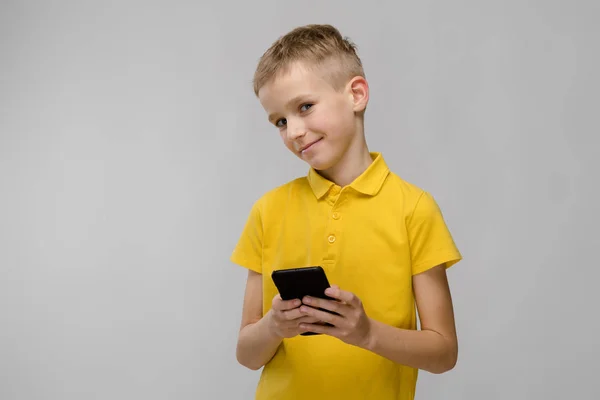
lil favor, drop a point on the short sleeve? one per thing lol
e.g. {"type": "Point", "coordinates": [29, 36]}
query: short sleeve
{"type": "Point", "coordinates": [431, 243]}
{"type": "Point", "coordinates": [248, 250]}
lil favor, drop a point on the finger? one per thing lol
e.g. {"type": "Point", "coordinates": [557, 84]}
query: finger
{"type": "Point", "coordinates": [331, 305]}
{"type": "Point", "coordinates": [284, 305]}
{"type": "Point", "coordinates": [305, 319]}
{"type": "Point", "coordinates": [332, 287]}
{"type": "Point", "coordinates": [342, 295]}
{"type": "Point", "coordinates": [322, 329]}
{"type": "Point", "coordinates": [322, 315]}
{"type": "Point", "coordinates": [296, 316]}
{"type": "Point", "coordinates": [290, 315]}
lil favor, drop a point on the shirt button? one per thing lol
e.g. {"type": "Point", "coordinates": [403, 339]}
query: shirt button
{"type": "Point", "coordinates": [335, 215]}
{"type": "Point", "coordinates": [331, 238]}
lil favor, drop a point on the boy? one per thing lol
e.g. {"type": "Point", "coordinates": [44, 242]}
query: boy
{"type": "Point", "coordinates": [382, 242]}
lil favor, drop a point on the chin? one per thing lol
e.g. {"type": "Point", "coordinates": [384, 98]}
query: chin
{"type": "Point", "coordinates": [321, 163]}
{"type": "Point", "coordinates": [319, 167]}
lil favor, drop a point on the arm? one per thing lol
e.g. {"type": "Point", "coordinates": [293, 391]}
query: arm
{"type": "Point", "coordinates": [256, 342]}
{"type": "Point", "coordinates": [260, 336]}
{"type": "Point", "coordinates": [434, 348]}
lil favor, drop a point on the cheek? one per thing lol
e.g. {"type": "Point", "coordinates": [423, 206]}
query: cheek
{"type": "Point", "coordinates": [290, 146]}
{"type": "Point", "coordinates": [286, 141]}
{"type": "Point", "coordinates": [323, 122]}
{"type": "Point", "coordinates": [335, 128]}
{"type": "Point", "coordinates": [335, 121]}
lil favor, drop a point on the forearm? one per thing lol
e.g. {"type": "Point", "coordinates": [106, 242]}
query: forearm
{"type": "Point", "coordinates": [256, 344]}
{"type": "Point", "coordinates": [426, 350]}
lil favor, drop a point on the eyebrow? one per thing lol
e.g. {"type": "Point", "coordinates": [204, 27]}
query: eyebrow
{"type": "Point", "coordinates": [297, 99]}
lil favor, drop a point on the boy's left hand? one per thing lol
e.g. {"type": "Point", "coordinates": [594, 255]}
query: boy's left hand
{"type": "Point", "coordinates": [352, 325]}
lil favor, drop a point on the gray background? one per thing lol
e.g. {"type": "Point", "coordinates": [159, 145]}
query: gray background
{"type": "Point", "coordinates": [132, 147]}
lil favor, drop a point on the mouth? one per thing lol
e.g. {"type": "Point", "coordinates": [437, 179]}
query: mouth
{"type": "Point", "coordinates": [308, 146]}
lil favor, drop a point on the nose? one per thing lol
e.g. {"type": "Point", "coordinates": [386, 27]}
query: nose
{"type": "Point", "coordinates": [295, 129]}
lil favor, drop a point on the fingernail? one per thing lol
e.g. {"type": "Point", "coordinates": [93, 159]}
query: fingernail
{"type": "Point", "coordinates": [307, 300]}
{"type": "Point", "coordinates": [329, 291]}
{"type": "Point", "coordinates": [303, 309]}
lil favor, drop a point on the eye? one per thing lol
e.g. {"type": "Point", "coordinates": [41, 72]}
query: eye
{"type": "Point", "coordinates": [305, 107]}
{"type": "Point", "coordinates": [280, 122]}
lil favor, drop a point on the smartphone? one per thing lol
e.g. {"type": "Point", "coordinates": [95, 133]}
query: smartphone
{"type": "Point", "coordinates": [296, 283]}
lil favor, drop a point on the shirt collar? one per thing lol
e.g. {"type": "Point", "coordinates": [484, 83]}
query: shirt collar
{"type": "Point", "coordinates": [368, 183]}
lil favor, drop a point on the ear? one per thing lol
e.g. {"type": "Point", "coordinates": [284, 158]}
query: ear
{"type": "Point", "coordinates": [359, 92]}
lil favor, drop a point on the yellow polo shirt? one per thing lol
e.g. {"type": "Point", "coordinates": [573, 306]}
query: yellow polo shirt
{"type": "Point", "coordinates": [370, 237]}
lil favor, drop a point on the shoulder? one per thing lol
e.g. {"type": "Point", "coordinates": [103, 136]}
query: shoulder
{"type": "Point", "coordinates": [279, 196]}
{"type": "Point", "coordinates": [419, 206]}
{"type": "Point", "coordinates": [404, 192]}
{"type": "Point", "coordinates": [416, 203]}
{"type": "Point", "coordinates": [406, 187]}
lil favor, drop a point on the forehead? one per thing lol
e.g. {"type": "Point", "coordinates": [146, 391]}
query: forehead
{"type": "Point", "coordinates": [296, 80]}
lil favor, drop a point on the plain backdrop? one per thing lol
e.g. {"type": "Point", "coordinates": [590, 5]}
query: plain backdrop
{"type": "Point", "coordinates": [132, 148]}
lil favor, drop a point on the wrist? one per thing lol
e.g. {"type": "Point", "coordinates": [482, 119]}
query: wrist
{"type": "Point", "coordinates": [370, 340]}
{"type": "Point", "coordinates": [269, 327]}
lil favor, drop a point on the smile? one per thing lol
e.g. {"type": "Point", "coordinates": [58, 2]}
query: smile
{"type": "Point", "coordinates": [308, 146]}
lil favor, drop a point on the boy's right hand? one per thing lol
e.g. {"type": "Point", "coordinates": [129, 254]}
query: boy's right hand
{"type": "Point", "coordinates": [285, 317]}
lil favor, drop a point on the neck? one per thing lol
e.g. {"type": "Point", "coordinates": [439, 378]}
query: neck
{"type": "Point", "coordinates": [354, 162]}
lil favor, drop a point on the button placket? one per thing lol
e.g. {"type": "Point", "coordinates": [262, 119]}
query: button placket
{"type": "Point", "coordinates": [333, 226]}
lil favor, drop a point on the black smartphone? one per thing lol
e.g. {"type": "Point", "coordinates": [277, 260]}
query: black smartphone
{"type": "Point", "coordinates": [296, 283]}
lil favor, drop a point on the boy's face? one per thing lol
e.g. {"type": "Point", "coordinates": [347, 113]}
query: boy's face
{"type": "Point", "coordinates": [316, 122]}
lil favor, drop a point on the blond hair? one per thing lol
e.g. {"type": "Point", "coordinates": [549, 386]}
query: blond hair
{"type": "Point", "coordinates": [315, 46]}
